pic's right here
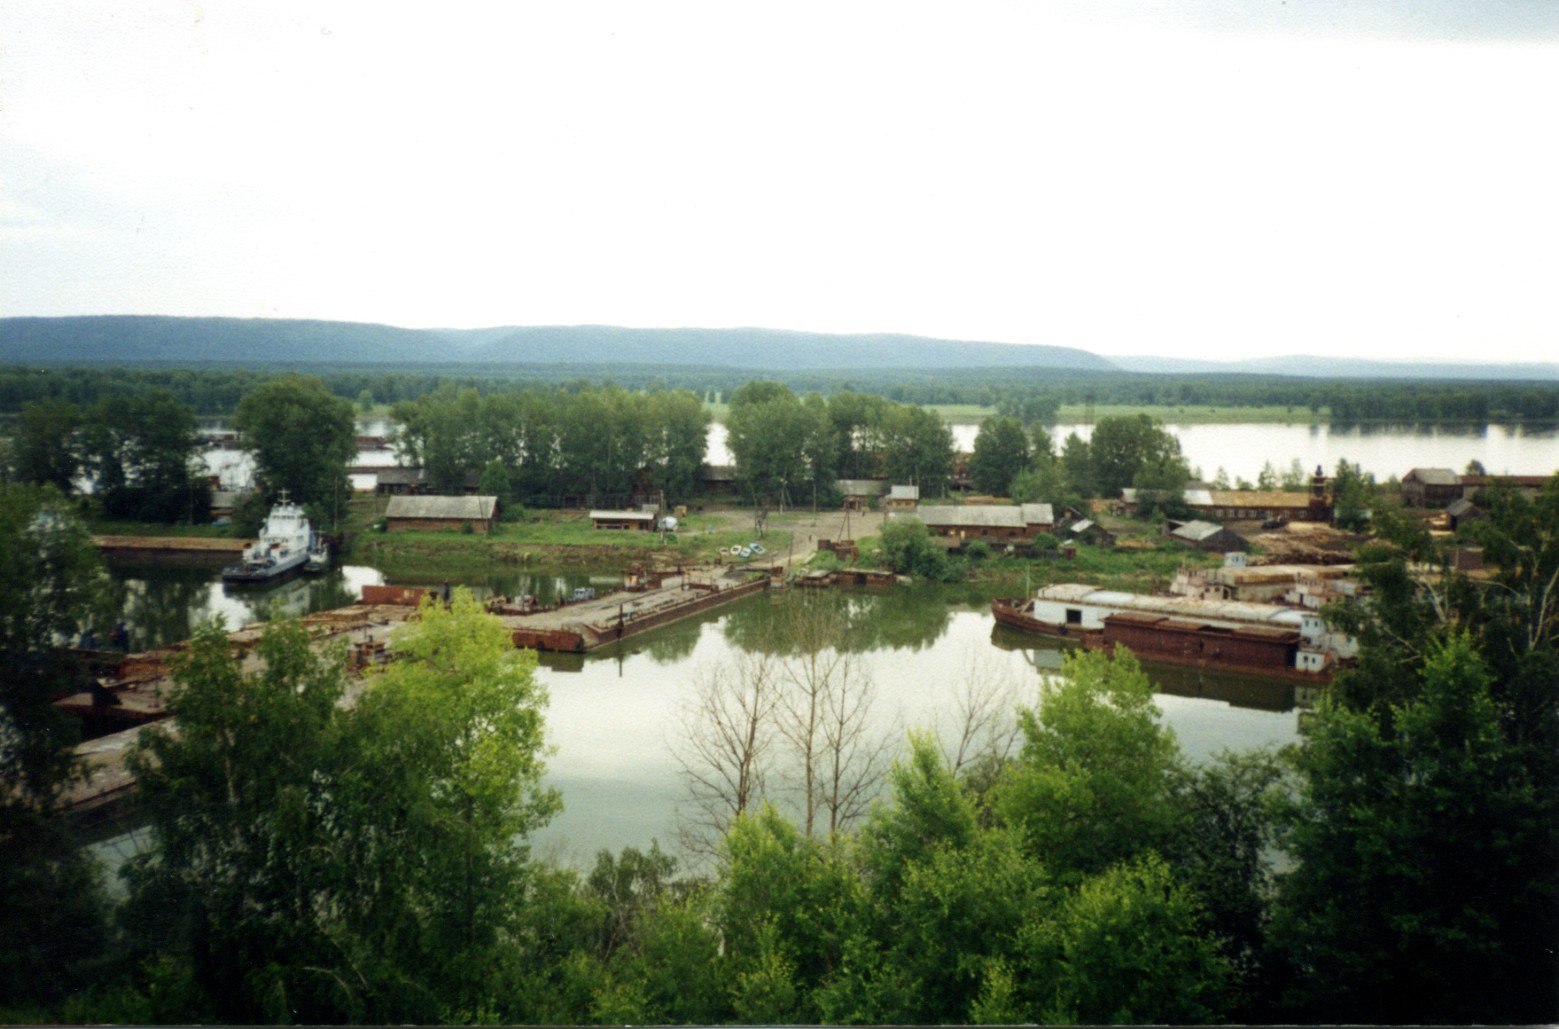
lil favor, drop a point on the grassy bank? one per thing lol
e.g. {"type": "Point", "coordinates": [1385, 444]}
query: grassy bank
{"type": "Point", "coordinates": [552, 538]}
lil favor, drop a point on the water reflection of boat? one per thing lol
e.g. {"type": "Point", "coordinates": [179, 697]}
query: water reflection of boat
{"type": "Point", "coordinates": [283, 547]}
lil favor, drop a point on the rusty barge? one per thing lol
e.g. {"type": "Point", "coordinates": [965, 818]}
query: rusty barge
{"type": "Point", "coordinates": [1257, 639]}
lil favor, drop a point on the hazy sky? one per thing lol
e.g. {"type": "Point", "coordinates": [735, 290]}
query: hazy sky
{"type": "Point", "coordinates": [1209, 179]}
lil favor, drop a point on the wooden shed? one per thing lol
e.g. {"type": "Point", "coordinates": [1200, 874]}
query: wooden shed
{"type": "Point", "coordinates": [438, 514]}
{"type": "Point", "coordinates": [1210, 537]}
{"type": "Point", "coordinates": [643, 521]}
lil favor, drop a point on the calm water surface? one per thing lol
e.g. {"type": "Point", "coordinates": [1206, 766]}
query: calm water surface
{"type": "Point", "coordinates": [616, 717]}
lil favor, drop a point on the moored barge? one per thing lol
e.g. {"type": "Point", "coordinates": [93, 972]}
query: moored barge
{"type": "Point", "coordinates": [1260, 639]}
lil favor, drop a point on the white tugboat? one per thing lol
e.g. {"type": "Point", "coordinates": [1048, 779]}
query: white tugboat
{"type": "Point", "coordinates": [283, 547]}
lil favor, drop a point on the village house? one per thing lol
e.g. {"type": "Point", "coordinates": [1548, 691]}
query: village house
{"type": "Point", "coordinates": [1086, 530]}
{"type": "Point", "coordinates": [435, 514]}
{"type": "Point", "coordinates": [718, 479]}
{"type": "Point", "coordinates": [903, 498]}
{"type": "Point", "coordinates": [1431, 487]}
{"type": "Point", "coordinates": [860, 494]}
{"type": "Point", "coordinates": [1004, 523]}
{"type": "Point", "coordinates": [400, 481]}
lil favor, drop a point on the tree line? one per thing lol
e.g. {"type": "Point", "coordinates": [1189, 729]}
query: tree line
{"type": "Point", "coordinates": [547, 445]}
{"type": "Point", "coordinates": [1028, 394]}
{"type": "Point", "coordinates": [139, 453]}
{"type": "Point", "coordinates": [1062, 862]}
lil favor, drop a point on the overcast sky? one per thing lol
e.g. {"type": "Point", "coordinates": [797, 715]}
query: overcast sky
{"type": "Point", "coordinates": [1208, 179]}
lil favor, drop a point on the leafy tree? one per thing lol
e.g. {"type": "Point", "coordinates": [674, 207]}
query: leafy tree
{"type": "Point", "coordinates": [908, 547]}
{"type": "Point", "coordinates": [51, 585]}
{"type": "Point", "coordinates": [917, 449]}
{"type": "Point", "coordinates": [143, 454]}
{"type": "Point", "coordinates": [43, 445]}
{"type": "Point", "coordinates": [331, 863]}
{"type": "Point", "coordinates": [1001, 452]}
{"type": "Point", "coordinates": [1093, 783]}
{"type": "Point", "coordinates": [495, 482]}
{"type": "Point", "coordinates": [1077, 467]}
{"type": "Point", "coordinates": [238, 802]}
{"type": "Point", "coordinates": [302, 439]}
{"type": "Point", "coordinates": [1122, 446]}
{"type": "Point", "coordinates": [786, 903]}
{"type": "Point", "coordinates": [1160, 486]}
{"type": "Point", "coordinates": [774, 438]}
{"type": "Point", "coordinates": [1127, 947]}
{"type": "Point", "coordinates": [1424, 876]}
{"type": "Point", "coordinates": [1352, 497]}
{"type": "Point", "coordinates": [446, 769]}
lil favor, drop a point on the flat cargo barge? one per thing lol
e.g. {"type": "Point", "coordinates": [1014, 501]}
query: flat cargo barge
{"type": "Point", "coordinates": [582, 627]}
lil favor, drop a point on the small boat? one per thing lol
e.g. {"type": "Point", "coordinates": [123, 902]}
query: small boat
{"type": "Point", "coordinates": [319, 556]}
{"type": "Point", "coordinates": [283, 547]}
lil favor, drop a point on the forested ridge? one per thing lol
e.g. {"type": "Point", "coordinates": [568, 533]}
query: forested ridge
{"type": "Point", "coordinates": [1032, 394]}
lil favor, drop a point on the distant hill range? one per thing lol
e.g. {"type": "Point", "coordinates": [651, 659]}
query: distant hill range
{"type": "Point", "coordinates": [130, 339]}
{"type": "Point", "coordinates": [1342, 368]}
{"type": "Point", "coordinates": [127, 340]}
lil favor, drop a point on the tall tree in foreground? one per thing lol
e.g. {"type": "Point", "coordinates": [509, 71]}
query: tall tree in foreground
{"type": "Point", "coordinates": [1430, 788]}
{"type": "Point", "coordinates": [445, 772]}
{"type": "Point", "coordinates": [50, 906]}
{"type": "Point", "coordinates": [325, 863]}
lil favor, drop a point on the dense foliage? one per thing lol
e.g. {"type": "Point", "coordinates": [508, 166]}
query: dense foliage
{"type": "Point", "coordinates": [1030, 395]}
{"type": "Point", "coordinates": [790, 449]}
{"type": "Point", "coordinates": [591, 446]}
{"type": "Point", "coordinates": [138, 452]}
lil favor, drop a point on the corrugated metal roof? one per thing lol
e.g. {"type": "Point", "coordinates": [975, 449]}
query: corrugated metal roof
{"type": "Point", "coordinates": [622, 516]}
{"type": "Point", "coordinates": [861, 487]}
{"type": "Point", "coordinates": [975, 516]}
{"type": "Point", "coordinates": [1174, 607]}
{"type": "Point", "coordinates": [1433, 476]}
{"type": "Point", "coordinates": [1038, 514]}
{"type": "Point", "coordinates": [402, 476]}
{"type": "Point", "coordinates": [1197, 530]}
{"type": "Point", "coordinates": [1257, 498]}
{"type": "Point", "coordinates": [468, 507]}
{"type": "Point", "coordinates": [904, 493]}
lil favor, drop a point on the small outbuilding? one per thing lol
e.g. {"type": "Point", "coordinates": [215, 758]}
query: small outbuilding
{"type": "Point", "coordinates": [643, 521]}
{"type": "Point", "coordinates": [1460, 512]}
{"type": "Point", "coordinates": [860, 494]}
{"type": "Point", "coordinates": [903, 498]}
{"type": "Point", "coordinates": [441, 514]}
{"type": "Point", "coordinates": [1430, 487]}
{"type": "Point", "coordinates": [1209, 536]}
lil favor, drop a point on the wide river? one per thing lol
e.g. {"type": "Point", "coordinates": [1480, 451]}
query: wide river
{"type": "Point", "coordinates": [1239, 449]}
